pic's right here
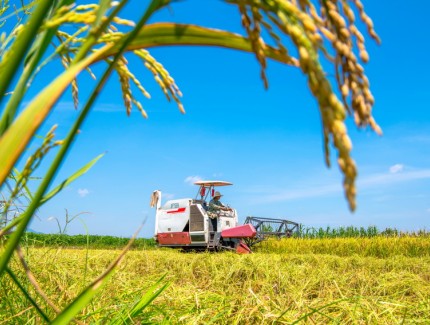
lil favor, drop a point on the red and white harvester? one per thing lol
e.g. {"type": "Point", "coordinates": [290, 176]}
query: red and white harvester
{"type": "Point", "coordinates": [187, 223]}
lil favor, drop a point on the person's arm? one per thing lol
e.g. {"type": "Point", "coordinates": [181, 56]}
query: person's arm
{"type": "Point", "coordinates": [213, 206]}
{"type": "Point", "coordinates": [216, 206]}
{"type": "Point", "coordinates": [223, 207]}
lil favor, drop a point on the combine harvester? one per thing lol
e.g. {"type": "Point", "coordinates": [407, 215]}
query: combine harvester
{"type": "Point", "coordinates": [188, 224]}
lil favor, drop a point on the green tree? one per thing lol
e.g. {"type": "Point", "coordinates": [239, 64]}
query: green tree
{"type": "Point", "coordinates": [323, 33]}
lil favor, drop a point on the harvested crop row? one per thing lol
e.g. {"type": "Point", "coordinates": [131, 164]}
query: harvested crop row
{"type": "Point", "coordinates": [229, 288]}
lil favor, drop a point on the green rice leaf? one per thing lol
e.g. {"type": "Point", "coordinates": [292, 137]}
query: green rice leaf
{"type": "Point", "coordinates": [26, 294]}
{"type": "Point", "coordinates": [13, 59]}
{"type": "Point", "coordinates": [42, 42]}
{"type": "Point", "coordinates": [104, 6]}
{"type": "Point", "coordinates": [126, 316]}
{"type": "Point", "coordinates": [152, 293]}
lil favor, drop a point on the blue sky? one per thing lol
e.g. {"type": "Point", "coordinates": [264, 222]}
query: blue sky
{"type": "Point", "coordinates": [267, 142]}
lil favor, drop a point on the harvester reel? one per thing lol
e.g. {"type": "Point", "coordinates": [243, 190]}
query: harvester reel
{"type": "Point", "coordinates": [268, 227]}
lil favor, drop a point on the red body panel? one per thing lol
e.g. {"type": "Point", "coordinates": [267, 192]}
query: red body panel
{"type": "Point", "coordinates": [245, 231]}
{"type": "Point", "coordinates": [179, 210]}
{"type": "Point", "coordinates": [242, 248]}
{"type": "Point", "coordinates": [174, 238]}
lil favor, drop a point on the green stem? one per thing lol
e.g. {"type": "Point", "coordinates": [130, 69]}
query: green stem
{"type": "Point", "coordinates": [10, 67]}
{"type": "Point", "coordinates": [27, 295]}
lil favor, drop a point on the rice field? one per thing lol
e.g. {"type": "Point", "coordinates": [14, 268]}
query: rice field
{"type": "Point", "coordinates": [376, 280]}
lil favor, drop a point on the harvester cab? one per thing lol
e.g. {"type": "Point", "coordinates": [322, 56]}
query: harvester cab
{"type": "Point", "coordinates": [225, 218]}
{"type": "Point", "coordinates": [187, 223]}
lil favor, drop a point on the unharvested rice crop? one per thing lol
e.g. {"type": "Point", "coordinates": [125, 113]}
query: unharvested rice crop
{"type": "Point", "coordinates": [346, 281]}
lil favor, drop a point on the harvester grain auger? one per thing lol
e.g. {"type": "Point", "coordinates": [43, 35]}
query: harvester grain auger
{"type": "Point", "coordinates": [188, 224]}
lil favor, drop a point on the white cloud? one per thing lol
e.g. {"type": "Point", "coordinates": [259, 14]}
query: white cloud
{"type": "Point", "coordinates": [83, 192]}
{"type": "Point", "coordinates": [268, 195]}
{"type": "Point", "coordinates": [192, 179]}
{"type": "Point", "coordinates": [387, 179]}
{"type": "Point", "coordinates": [396, 168]}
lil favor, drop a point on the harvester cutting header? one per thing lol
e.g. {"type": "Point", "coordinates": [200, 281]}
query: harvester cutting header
{"type": "Point", "coordinates": [205, 223]}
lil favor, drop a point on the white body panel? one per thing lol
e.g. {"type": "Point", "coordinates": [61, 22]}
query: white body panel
{"type": "Point", "coordinates": [175, 219]}
{"type": "Point", "coordinates": [173, 216]}
{"type": "Point", "coordinates": [227, 220]}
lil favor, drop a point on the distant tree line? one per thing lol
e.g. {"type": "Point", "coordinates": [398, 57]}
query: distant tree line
{"type": "Point", "coordinates": [355, 232]}
{"type": "Point", "coordinates": [112, 242]}
{"type": "Point", "coordinates": [81, 241]}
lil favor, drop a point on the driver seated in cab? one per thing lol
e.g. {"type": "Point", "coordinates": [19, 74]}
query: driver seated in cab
{"type": "Point", "coordinates": [215, 205]}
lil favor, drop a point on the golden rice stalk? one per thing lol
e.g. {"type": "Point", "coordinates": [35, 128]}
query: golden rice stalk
{"type": "Point", "coordinates": [31, 164]}
{"type": "Point", "coordinates": [367, 21]}
{"type": "Point", "coordinates": [82, 14]}
{"type": "Point", "coordinates": [253, 29]}
{"type": "Point", "coordinates": [65, 61]}
{"type": "Point", "coordinates": [125, 76]}
{"type": "Point", "coordinates": [162, 77]}
{"type": "Point", "coordinates": [139, 107]}
{"type": "Point", "coordinates": [90, 72]}
{"type": "Point", "coordinates": [301, 27]}
{"type": "Point", "coordinates": [138, 84]}
{"type": "Point", "coordinates": [124, 79]}
{"type": "Point", "coordinates": [124, 22]}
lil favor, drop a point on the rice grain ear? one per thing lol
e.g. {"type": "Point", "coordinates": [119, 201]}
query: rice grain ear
{"type": "Point", "coordinates": [253, 29]}
{"type": "Point", "coordinates": [124, 80]}
{"type": "Point", "coordinates": [32, 163]}
{"type": "Point", "coordinates": [162, 77]}
{"type": "Point", "coordinates": [310, 27]}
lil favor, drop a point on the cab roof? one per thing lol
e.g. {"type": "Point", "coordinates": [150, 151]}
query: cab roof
{"type": "Point", "coordinates": [212, 183]}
